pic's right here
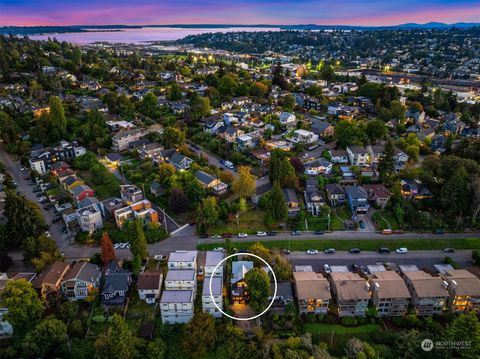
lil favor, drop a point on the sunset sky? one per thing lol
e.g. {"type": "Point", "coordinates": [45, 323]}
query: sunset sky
{"type": "Point", "coordinates": [142, 12]}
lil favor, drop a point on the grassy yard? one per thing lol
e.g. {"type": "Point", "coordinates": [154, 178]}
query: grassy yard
{"type": "Point", "coordinates": [249, 222]}
{"type": "Point", "coordinates": [317, 223]}
{"type": "Point", "coordinates": [328, 329]}
{"type": "Point", "coordinates": [385, 219]}
{"type": "Point", "coordinates": [363, 244]}
{"type": "Point", "coordinates": [139, 312]}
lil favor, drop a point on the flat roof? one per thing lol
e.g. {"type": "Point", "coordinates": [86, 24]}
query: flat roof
{"type": "Point", "coordinates": [350, 286]}
{"type": "Point", "coordinates": [177, 296]}
{"type": "Point", "coordinates": [213, 258]}
{"type": "Point", "coordinates": [182, 256]}
{"type": "Point", "coordinates": [217, 285]}
{"type": "Point", "coordinates": [180, 274]}
{"type": "Point", "coordinates": [425, 285]}
{"type": "Point", "coordinates": [310, 285]}
{"type": "Point", "coordinates": [303, 269]}
{"type": "Point", "coordinates": [389, 284]}
{"type": "Point", "coordinates": [466, 283]}
{"type": "Point", "coordinates": [339, 268]}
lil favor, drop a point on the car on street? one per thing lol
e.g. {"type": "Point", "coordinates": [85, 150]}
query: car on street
{"type": "Point", "coordinates": [37, 189]}
{"type": "Point", "coordinates": [160, 257]}
{"type": "Point", "coordinates": [387, 231]}
{"type": "Point", "coordinates": [330, 251]}
{"type": "Point", "coordinates": [327, 268]}
{"type": "Point", "coordinates": [219, 249]}
{"type": "Point", "coordinates": [355, 267]}
{"type": "Point", "coordinates": [203, 236]}
{"type": "Point", "coordinates": [296, 233]}
{"type": "Point", "coordinates": [438, 231]}
{"type": "Point", "coordinates": [354, 250]}
{"type": "Point", "coordinates": [271, 233]}
{"type": "Point", "coordinates": [40, 194]}
{"type": "Point", "coordinates": [261, 234]}
{"type": "Point", "coordinates": [402, 250]}
{"type": "Point", "coordinates": [48, 207]}
{"type": "Point", "coordinates": [319, 233]}
{"type": "Point", "coordinates": [227, 235]}
{"type": "Point", "coordinates": [383, 250]}
{"type": "Point", "coordinates": [216, 236]}
{"type": "Point", "coordinates": [449, 250]}
{"type": "Point", "coordinates": [286, 251]}
{"type": "Point", "coordinates": [312, 251]}
{"type": "Point", "coordinates": [242, 235]}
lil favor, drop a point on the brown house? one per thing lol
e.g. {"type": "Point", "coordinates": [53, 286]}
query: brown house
{"type": "Point", "coordinates": [48, 281]}
{"type": "Point", "coordinates": [378, 194]}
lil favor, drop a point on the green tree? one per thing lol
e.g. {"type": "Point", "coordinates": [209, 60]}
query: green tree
{"type": "Point", "coordinates": [258, 89]}
{"type": "Point", "coordinates": [173, 137]}
{"type": "Point", "coordinates": [350, 133]}
{"type": "Point", "coordinates": [282, 267]}
{"type": "Point", "coordinates": [456, 195]}
{"type": "Point", "coordinates": [58, 120]}
{"type": "Point", "coordinates": [148, 106]}
{"type": "Point", "coordinates": [157, 349]}
{"type": "Point", "coordinates": [258, 284]}
{"type": "Point", "coordinates": [198, 106]}
{"type": "Point", "coordinates": [275, 206]}
{"type": "Point", "coordinates": [175, 93]}
{"type": "Point", "coordinates": [24, 306]}
{"type": "Point", "coordinates": [376, 130]}
{"type": "Point", "coordinates": [8, 128]}
{"type": "Point", "coordinates": [138, 242]}
{"type": "Point", "coordinates": [288, 103]}
{"type": "Point", "coordinates": [386, 164]}
{"type": "Point", "coordinates": [227, 85]}
{"type": "Point", "coordinates": [96, 129]}
{"type": "Point", "coordinates": [199, 335]}
{"type": "Point", "coordinates": [117, 342]}
{"type": "Point", "coordinates": [244, 186]}
{"type": "Point", "coordinates": [48, 339]}
{"type": "Point", "coordinates": [207, 213]}
{"type": "Point", "coordinates": [261, 251]}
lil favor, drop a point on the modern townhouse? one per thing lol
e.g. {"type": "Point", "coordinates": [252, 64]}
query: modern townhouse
{"type": "Point", "coordinates": [429, 294]}
{"type": "Point", "coordinates": [122, 139]}
{"type": "Point", "coordinates": [212, 258]}
{"type": "Point", "coordinates": [287, 119]}
{"type": "Point", "coordinates": [80, 280]}
{"type": "Point", "coordinates": [400, 158]}
{"type": "Point", "coordinates": [358, 155]}
{"type": "Point", "coordinates": [312, 291]}
{"type": "Point", "coordinates": [176, 306]}
{"type": "Point", "coordinates": [216, 292]}
{"type": "Point", "coordinates": [313, 197]}
{"type": "Point", "coordinates": [183, 260]}
{"type": "Point", "coordinates": [245, 142]}
{"type": "Point", "coordinates": [338, 156]}
{"type": "Point", "coordinates": [130, 193]}
{"type": "Point", "coordinates": [89, 218]}
{"type": "Point", "coordinates": [335, 194]}
{"type": "Point", "coordinates": [390, 294]}
{"type": "Point", "coordinates": [139, 210]}
{"type": "Point", "coordinates": [239, 288]}
{"type": "Point", "coordinates": [181, 279]}
{"type": "Point", "coordinates": [464, 290]}
{"type": "Point", "coordinates": [318, 166]}
{"type": "Point", "coordinates": [149, 285]}
{"type": "Point", "coordinates": [304, 136]}
{"type": "Point", "coordinates": [357, 199]}
{"type": "Point", "coordinates": [352, 294]}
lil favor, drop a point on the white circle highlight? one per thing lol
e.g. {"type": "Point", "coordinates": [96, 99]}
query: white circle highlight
{"type": "Point", "coordinates": [237, 255]}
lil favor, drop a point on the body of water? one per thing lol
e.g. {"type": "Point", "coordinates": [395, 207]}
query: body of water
{"type": "Point", "coordinates": [141, 35]}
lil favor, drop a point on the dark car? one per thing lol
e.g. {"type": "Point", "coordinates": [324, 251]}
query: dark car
{"type": "Point", "coordinates": [383, 250]}
{"type": "Point", "coordinates": [227, 235]}
{"type": "Point", "coordinates": [39, 194]}
{"type": "Point", "coordinates": [329, 251]}
{"type": "Point", "coordinates": [438, 231]}
{"type": "Point", "coordinates": [362, 224]}
{"type": "Point", "coordinates": [271, 233]}
{"type": "Point", "coordinates": [319, 233]}
{"type": "Point", "coordinates": [203, 236]}
{"type": "Point", "coordinates": [355, 267]}
{"type": "Point", "coordinates": [286, 251]}
{"type": "Point", "coordinates": [355, 250]}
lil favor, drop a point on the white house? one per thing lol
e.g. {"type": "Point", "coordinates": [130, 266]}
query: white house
{"type": "Point", "coordinates": [183, 260]}
{"type": "Point", "coordinates": [80, 279]}
{"type": "Point", "coordinates": [339, 156]}
{"type": "Point", "coordinates": [181, 279]}
{"type": "Point", "coordinates": [287, 118]}
{"type": "Point", "coordinates": [358, 156]}
{"type": "Point", "coordinates": [89, 218]}
{"type": "Point", "coordinates": [208, 305]}
{"type": "Point", "coordinates": [245, 142]}
{"type": "Point", "coordinates": [211, 260]}
{"type": "Point", "coordinates": [304, 136]}
{"type": "Point", "coordinates": [149, 285]}
{"type": "Point", "coordinates": [176, 306]}
{"type": "Point", "coordinates": [318, 166]}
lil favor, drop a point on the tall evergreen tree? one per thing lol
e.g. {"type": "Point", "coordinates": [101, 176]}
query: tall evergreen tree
{"type": "Point", "coordinates": [138, 242]}
{"type": "Point", "coordinates": [58, 120]}
{"type": "Point", "coordinates": [386, 164]}
{"type": "Point", "coordinates": [276, 207]}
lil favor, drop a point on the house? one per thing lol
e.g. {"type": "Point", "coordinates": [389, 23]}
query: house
{"type": "Point", "coordinates": [390, 294]}
{"type": "Point", "coordinates": [304, 136]}
{"type": "Point", "coordinates": [357, 199]}
{"type": "Point", "coordinates": [318, 166]}
{"type": "Point", "coordinates": [313, 197]}
{"type": "Point", "coordinates": [156, 188]}
{"type": "Point", "coordinates": [79, 281]}
{"type": "Point", "coordinates": [229, 133]}
{"type": "Point", "coordinates": [142, 209]}
{"type": "Point", "coordinates": [464, 290]}
{"type": "Point", "coordinates": [212, 258]}
{"type": "Point", "coordinates": [149, 285]}
{"type": "Point", "coordinates": [212, 125]}
{"type": "Point", "coordinates": [122, 139]}
{"type": "Point", "coordinates": [415, 189]}
{"type": "Point", "coordinates": [183, 260]}
{"type": "Point", "coordinates": [59, 168]}
{"type": "Point", "coordinates": [110, 206]}
{"type": "Point", "coordinates": [208, 181]}
{"type": "Point", "coordinates": [208, 306]}
{"type": "Point", "coordinates": [335, 194]}
{"type": "Point", "coordinates": [149, 150]}
{"type": "Point", "coordinates": [81, 191]}
{"type": "Point", "coordinates": [283, 297]}
{"type": "Point", "coordinates": [181, 279]}
{"type": "Point", "coordinates": [244, 142]}
{"type": "Point", "coordinates": [429, 294]}
{"type": "Point", "coordinates": [287, 119]}
{"type": "Point", "coordinates": [116, 286]}
{"type": "Point", "coordinates": [357, 155]}
{"type": "Point", "coordinates": [260, 192]}
{"type": "Point", "coordinates": [239, 289]}
{"type": "Point", "coordinates": [180, 162]}
{"type": "Point", "coordinates": [130, 193]}
{"type": "Point", "coordinates": [114, 158]}
{"type": "Point", "coordinates": [338, 156]}
{"type": "Point", "coordinates": [89, 218]}
{"type": "Point", "coordinates": [71, 182]}
{"type": "Point", "coordinates": [322, 128]}
{"type": "Point", "coordinates": [312, 291]}
{"type": "Point", "coordinates": [400, 158]}
{"type": "Point", "coordinates": [378, 194]}
{"type": "Point", "coordinates": [176, 306]}
{"type": "Point", "coordinates": [47, 283]}
{"type": "Point", "coordinates": [351, 292]}
{"type": "Point", "coordinates": [293, 205]}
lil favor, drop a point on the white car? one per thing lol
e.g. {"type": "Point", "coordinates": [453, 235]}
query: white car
{"type": "Point", "coordinates": [261, 234]}
{"type": "Point", "coordinates": [242, 235]}
{"type": "Point", "coordinates": [402, 250]}
{"type": "Point", "coordinates": [312, 251]}
{"type": "Point", "coordinates": [47, 233]}
{"type": "Point", "coordinates": [216, 236]}
{"type": "Point", "coordinates": [327, 268]}
{"type": "Point", "coordinates": [117, 245]}
{"type": "Point", "coordinates": [219, 249]}
{"type": "Point", "coordinates": [160, 257]}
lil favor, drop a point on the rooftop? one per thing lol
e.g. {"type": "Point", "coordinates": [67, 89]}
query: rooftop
{"type": "Point", "coordinates": [177, 296]}
{"type": "Point", "coordinates": [311, 285]}
{"type": "Point", "coordinates": [216, 286]}
{"type": "Point", "coordinates": [425, 285]}
{"type": "Point", "coordinates": [182, 256]}
{"type": "Point", "coordinates": [389, 284]}
{"type": "Point", "coordinates": [213, 258]}
{"type": "Point", "coordinates": [180, 274]}
{"type": "Point", "coordinates": [350, 286]}
{"type": "Point", "coordinates": [149, 280]}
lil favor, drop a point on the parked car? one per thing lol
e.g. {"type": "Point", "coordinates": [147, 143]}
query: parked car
{"type": "Point", "coordinates": [261, 234]}
{"type": "Point", "coordinates": [364, 270]}
{"type": "Point", "coordinates": [438, 231]}
{"type": "Point", "coordinates": [43, 200]}
{"type": "Point", "coordinates": [271, 233]}
{"type": "Point", "coordinates": [56, 219]}
{"type": "Point", "coordinates": [318, 233]}
{"type": "Point", "coordinates": [160, 257]}
{"type": "Point", "coordinates": [296, 233]}
{"type": "Point", "coordinates": [48, 206]}
{"type": "Point", "coordinates": [361, 224]}
{"type": "Point", "coordinates": [286, 251]}
{"type": "Point", "coordinates": [242, 235]}
{"type": "Point", "coordinates": [40, 194]}
{"type": "Point", "coordinates": [355, 250]}
{"type": "Point", "coordinates": [203, 236]}
{"type": "Point", "coordinates": [37, 189]}
{"type": "Point", "coordinates": [387, 231]}
{"type": "Point", "coordinates": [330, 251]}
{"type": "Point", "coordinates": [402, 250]}
{"type": "Point", "coordinates": [312, 251]}
{"type": "Point", "coordinates": [219, 249]}
{"type": "Point", "coordinates": [355, 267]}
{"type": "Point", "coordinates": [449, 250]}
{"type": "Point", "coordinates": [383, 250]}
{"type": "Point", "coordinates": [216, 236]}
{"type": "Point", "coordinates": [327, 268]}
{"type": "Point", "coordinates": [227, 235]}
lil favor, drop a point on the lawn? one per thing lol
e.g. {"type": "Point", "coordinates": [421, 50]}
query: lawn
{"type": "Point", "coordinates": [385, 219]}
{"type": "Point", "coordinates": [363, 244]}
{"type": "Point", "coordinates": [138, 312]}
{"type": "Point", "coordinates": [317, 223]}
{"type": "Point", "coordinates": [328, 329]}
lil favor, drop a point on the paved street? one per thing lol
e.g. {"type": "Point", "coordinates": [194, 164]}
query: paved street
{"type": "Point", "coordinates": [422, 259]}
{"type": "Point", "coordinates": [211, 158]}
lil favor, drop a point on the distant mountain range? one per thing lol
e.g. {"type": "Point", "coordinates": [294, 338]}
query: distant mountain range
{"type": "Point", "coordinates": [32, 30]}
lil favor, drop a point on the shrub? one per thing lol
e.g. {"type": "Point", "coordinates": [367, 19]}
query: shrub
{"type": "Point", "coordinates": [310, 318]}
{"type": "Point", "coordinates": [320, 317]}
{"type": "Point", "coordinates": [330, 319]}
{"type": "Point", "coordinates": [349, 321]}
{"type": "Point", "coordinates": [98, 319]}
